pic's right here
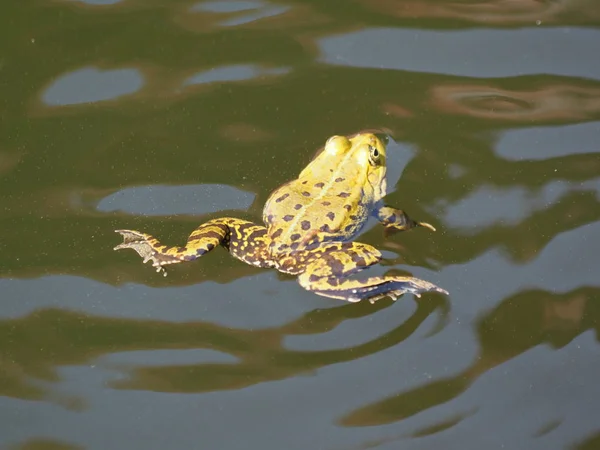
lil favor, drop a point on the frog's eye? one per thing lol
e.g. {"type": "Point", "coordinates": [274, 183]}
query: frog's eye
{"type": "Point", "coordinates": [374, 155]}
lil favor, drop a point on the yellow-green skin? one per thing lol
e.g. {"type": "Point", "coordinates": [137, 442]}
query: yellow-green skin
{"type": "Point", "coordinates": [310, 223]}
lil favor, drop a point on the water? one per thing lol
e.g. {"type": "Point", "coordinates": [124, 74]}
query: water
{"type": "Point", "coordinates": [160, 115]}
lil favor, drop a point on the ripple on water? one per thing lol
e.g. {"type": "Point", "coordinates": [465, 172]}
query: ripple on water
{"type": "Point", "coordinates": [89, 85]}
{"type": "Point", "coordinates": [563, 101]}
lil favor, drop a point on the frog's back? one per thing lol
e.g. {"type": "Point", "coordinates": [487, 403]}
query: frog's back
{"type": "Point", "coordinates": [331, 199]}
{"type": "Point", "coordinates": [305, 212]}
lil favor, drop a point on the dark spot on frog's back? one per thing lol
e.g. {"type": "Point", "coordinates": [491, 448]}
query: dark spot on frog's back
{"type": "Point", "coordinates": [348, 207]}
{"type": "Point", "coordinates": [298, 206]}
{"type": "Point", "coordinates": [331, 215]}
{"type": "Point", "coordinates": [305, 225]}
{"type": "Point", "coordinates": [320, 184]}
{"type": "Point", "coordinates": [288, 217]}
{"type": "Point", "coordinates": [326, 203]}
{"type": "Point", "coordinates": [277, 233]}
{"type": "Point", "coordinates": [306, 194]}
{"type": "Point", "coordinates": [339, 180]}
{"type": "Point", "coordinates": [295, 237]}
{"type": "Point", "coordinates": [325, 228]}
{"type": "Point", "coordinates": [282, 198]}
{"type": "Point", "coordinates": [344, 194]}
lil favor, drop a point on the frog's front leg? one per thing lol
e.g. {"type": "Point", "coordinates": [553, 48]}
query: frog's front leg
{"type": "Point", "coordinates": [327, 275]}
{"type": "Point", "coordinates": [245, 240]}
{"type": "Point", "coordinates": [397, 220]}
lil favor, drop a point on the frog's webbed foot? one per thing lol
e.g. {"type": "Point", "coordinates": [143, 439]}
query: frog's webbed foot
{"type": "Point", "coordinates": [397, 220]}
{"type": "Point", "coordinates": [394, 287]}
{"type": "Point", "coordinates": [148, 248]}
{"type": "Point", "coordinates": [371, 289]}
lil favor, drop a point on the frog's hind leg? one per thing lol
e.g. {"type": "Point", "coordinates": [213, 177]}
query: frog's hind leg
{"type": "Point", "coordinates": [245, 240]}
{"type": "Point", "coordinates": [328, 275]}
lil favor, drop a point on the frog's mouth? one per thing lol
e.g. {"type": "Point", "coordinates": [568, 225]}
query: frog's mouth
{"type": "Point", "coordinates": [380, 190]}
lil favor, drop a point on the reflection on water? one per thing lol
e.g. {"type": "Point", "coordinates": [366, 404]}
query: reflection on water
{"type": "Point", "coordinates": [491, 12]}
{"type": "Point", "coordinates": [48, 444]}
{"type": "Point", "coordinates": [170, 357]}
{"type": "Point", "coordinates": [227, 6]}
{"type": "Point", "coordinates": [167, 200]}
{"type": "Point", "coordinates": [461, 52]}
{"type": "Point", "coordinates": [511, 206]}
{"type": "Point", "coordinates": [233, 73]}
{"type": "Point", "coordinates": [549, 142]}
{"type": "Point", "coordinates": [232, 13]}
{"type": "Point", "coordinates": [92, 85]}
{"type": "Point", "coordinates": [493, 139]}
{"type": "Point", "coordinates": [259, 10]}
{"type": "Point", "coordinates": [99, 2]}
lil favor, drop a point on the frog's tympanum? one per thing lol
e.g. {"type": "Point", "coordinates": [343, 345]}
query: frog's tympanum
{"type": "Point", "coordinates": [309, 226]}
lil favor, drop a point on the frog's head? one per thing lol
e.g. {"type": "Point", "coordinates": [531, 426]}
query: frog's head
{"type": "Point", "coordinates": [369, 158]}
{"type": "Point", "coordinates": [359, 160]}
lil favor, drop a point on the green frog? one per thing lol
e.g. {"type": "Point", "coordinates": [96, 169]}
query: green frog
{"type": "Point", "coordinates": [309, 226]}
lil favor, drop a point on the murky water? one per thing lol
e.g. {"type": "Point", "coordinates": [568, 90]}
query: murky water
{"type": "Point", "coordinates": [158, 115]}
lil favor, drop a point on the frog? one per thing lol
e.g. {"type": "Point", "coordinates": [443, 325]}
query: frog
{"type": "Point", "coordinates": [309, 226]}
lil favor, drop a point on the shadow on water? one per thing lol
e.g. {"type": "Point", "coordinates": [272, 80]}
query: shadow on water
{"type": "Point", "coordinates": [259, 356]}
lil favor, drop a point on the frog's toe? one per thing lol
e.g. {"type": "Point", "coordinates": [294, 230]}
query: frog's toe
{"type": "Point", "coordinates": [426, 225]}
{"type": "Point", "coordinates": [148, 248]}
{"type": "Point", "coordinates": [131, 237]}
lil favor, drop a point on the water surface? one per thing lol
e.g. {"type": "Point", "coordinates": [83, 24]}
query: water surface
{"type": "Point", "coordinates": [161, 115]}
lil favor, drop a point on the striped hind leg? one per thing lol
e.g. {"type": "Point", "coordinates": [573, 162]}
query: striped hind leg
{"type": "Point", "coordinates": [245, 240]}
{"type": "Point", "coordinates": [328, 275]}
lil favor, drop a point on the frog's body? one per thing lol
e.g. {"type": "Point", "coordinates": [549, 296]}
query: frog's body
{"type": "Point", "coordinates": [310, 223]}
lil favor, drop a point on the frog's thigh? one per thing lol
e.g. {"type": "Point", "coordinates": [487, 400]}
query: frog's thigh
{"type": "Point", "coordinates": [328, 276]}
{"type": "Point", "coordinates": [249, 243]}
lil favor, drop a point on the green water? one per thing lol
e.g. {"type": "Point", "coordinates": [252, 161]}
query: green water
{"type": "Point", "coordinates": [159, 115]}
